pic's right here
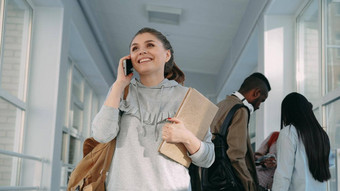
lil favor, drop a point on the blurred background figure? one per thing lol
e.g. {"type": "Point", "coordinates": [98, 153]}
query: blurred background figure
{"type": "Point", "coordinates": [265, 160]}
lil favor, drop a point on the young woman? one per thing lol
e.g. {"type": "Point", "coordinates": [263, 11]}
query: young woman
{"type": "Point", "coordinates": [303, 148]}
{"type": "Point", "coordinates": [151, 102]}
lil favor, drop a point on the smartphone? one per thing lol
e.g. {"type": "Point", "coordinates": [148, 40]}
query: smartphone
{"type": "Point", "coordinates": [261, 159]}
{"type": "Point", "coordinates": [127, 66]}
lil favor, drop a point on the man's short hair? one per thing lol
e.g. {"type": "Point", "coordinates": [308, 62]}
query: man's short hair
{"type": "Point", "coordinates": [255, 80]}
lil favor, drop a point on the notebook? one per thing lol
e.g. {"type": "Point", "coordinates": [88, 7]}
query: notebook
{"type": "Point", "coordinates": [197, 112]}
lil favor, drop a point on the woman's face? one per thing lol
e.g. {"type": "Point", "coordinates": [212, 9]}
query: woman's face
{"type": "Point", "coordinates": [148, 55]}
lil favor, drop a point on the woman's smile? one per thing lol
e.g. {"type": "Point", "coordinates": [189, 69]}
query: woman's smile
{"type": "Point", "coordinates": [143, 60]}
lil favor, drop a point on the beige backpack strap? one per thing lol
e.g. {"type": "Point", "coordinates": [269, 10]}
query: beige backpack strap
{"type": "Point", "coordinates": [108, 159]}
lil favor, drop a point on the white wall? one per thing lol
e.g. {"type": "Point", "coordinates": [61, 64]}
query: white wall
{"type": "Point", "coordinates": [276, 61]}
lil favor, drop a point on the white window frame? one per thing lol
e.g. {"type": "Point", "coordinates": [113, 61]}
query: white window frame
{"type": "Point", "coordinates": [20, 104]}
{"type": "Point", "coordinates": [83, 132]}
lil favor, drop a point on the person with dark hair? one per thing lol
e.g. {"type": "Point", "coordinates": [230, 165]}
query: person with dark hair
{"type": "Point", "coordinates": [303, 148]}
{"type": "Point", "coordinates": [139, 122]}
{"type": "Point", "coordinates": [253, 91]}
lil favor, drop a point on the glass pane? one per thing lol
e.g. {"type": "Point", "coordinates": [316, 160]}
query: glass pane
{"type": "Point", "coordinates": [74, 151]}
{"type": "Point", "coordinates": [333, 171]}
{"type": "Point", "coordinates": [64, 147]}
{"type": "Point", "coordinates": [33, 170]}
{"type": "Point", "coordinates": [77, 118]}
{"type": "Point", "coordinates": [309, 67]}
{"type": "Point", "coordinates": [87, 111]}
{"type": "Point", "coordinates": [333, 44]}
{"type": "Point", "coordinates": [317, 115]}
{"type": "Point", "coordinates": [66, 171]}
{"type": "Point", "coordinates": [333, 123]}
{"type": "Point", "coordinates": [67, 113]}
{"type": "Point", "coordinates": [333, 130]}
{"type": "Point", "coordinates": [77, 85]}
{"type": "Point", "coordinates": [14, 55]}
{"type": "Point", "coordinates": [10, 126]}
{"type": "Point", "coordinates": [64, 176]}
{"type": "Point", "coordinates": [9, 166]}
{"type": "Point", "coordinates": [95, 107]}
{"type": "Point", "coordinates": [6, 166]}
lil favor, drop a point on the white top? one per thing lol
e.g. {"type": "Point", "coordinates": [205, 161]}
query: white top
{"type": "Point", "coordinates": [244, 101]}
{"type": "Point", "coordinates": [292, 172]}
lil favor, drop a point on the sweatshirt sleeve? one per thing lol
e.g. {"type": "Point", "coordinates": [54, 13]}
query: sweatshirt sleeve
{"type": "Point", "coordinates": [205, 156]}
{"type": "Point", "coordinates": [105, 124]}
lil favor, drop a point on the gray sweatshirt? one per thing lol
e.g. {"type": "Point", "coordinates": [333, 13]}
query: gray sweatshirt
{"type": "Point", "coordinates": [137, 164]}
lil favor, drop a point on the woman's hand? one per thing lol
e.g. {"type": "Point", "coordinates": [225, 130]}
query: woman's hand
{"type": "Point", "coordinates": [118, 86]}
{"type": "Point", "coordinates": [121, 78]}
{"type": "Point", "coordinates": [176, 132]}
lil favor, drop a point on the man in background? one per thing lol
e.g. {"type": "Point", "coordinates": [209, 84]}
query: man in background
{"type": "Point", "coordinates": [253, 91]}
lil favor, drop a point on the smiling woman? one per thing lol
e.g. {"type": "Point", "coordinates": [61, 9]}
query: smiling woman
{"type": "Point", "coordinates": [139, 123]}
{"type": "Point", "coordinates": [171, 70]}
{"type": "Point", "coordinates": [148, 58]}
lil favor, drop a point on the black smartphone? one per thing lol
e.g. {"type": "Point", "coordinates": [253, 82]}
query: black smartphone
{"type": "Point", "coordinates": [127, 66]}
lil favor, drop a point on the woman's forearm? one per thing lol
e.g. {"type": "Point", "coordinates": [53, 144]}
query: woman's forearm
{"type": "Point", "coordinates": [113, 99]}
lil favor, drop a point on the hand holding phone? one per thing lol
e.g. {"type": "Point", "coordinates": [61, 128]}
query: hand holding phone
{"type": "Point", "coordinates": [266, 161]}
{"type": "Point", "coordinates": [127, 66]}
{"type": "Point", "coordinates": [264, 157]}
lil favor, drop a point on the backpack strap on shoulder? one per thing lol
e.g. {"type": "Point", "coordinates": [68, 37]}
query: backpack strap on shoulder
{"type": "Point", "coordinates": [227, 121]}
{"type": "Point", "coordinates": [126, 92]}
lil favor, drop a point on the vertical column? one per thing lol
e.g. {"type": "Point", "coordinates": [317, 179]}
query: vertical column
{"type": "Point", "coordinates": [43, 94]}
{"type": "Point", "coordinates": [276, 62]}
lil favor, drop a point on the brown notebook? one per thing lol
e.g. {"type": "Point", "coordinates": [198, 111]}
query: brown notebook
{"type": "Point", "coordinates": [197, 113]}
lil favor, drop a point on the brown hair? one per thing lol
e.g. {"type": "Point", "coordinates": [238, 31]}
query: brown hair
{"type": "Point", "coordinates": [171, 70]}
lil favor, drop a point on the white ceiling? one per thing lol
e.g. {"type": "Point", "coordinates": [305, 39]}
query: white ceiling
{"type": "Point", "coordinates": [201, 40]}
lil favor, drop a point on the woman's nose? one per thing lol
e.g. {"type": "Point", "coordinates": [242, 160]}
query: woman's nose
{"type": "Point", "coordinates": [142, 52]}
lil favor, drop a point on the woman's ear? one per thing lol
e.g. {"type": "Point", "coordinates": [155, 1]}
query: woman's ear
{"type": "Point", "coordinates": [168, 55]}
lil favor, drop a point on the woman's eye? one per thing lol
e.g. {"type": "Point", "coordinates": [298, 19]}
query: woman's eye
{"type": "Point", "coordinates": [134, 48]}
{"type": "Point", "coordinates": [150, 45]}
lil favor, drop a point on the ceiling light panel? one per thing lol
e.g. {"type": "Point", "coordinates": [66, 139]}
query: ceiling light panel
{"type": "Point", "coordinates": [163, 14]}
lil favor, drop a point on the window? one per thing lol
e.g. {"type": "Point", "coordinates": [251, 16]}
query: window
{"type": "Point", "coordinates": [317, 115]}
{"type": "Point", "coordinates": [333, 125]}
{"type": "Point", "coordinates": [309, 65]}
{"type": "Point", "coordinates": [337, 9]}
{"type": "Point", "coordinates": [332, 45]}
{"type": "Point", "coordinates": [16, 19]}
{"type": "Point", "coordinates": [319, 68]}
{"type": "Point", "coordinates": [81, 106]}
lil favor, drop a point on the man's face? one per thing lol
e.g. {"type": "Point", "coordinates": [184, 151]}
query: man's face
{"type": "Point", "coordinates": [256, 102]}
